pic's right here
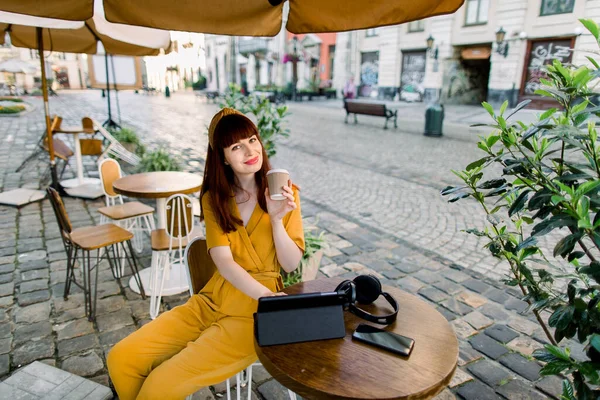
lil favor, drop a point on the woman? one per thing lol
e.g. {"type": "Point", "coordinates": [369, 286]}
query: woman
{"type": "Point", "coordinates": [249, 237]}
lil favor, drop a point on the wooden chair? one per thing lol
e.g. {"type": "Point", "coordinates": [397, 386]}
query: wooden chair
{"type": "Point", "coordinates": [133, 215]}
{"type": "Point", "coordinates": [201, 268]}
{"type": "Point", "coordinates": [168, 245]}
{"type": "Point", "coordinates": [61, 151]}
{"type": "Point", "coordinates": [102, 238]}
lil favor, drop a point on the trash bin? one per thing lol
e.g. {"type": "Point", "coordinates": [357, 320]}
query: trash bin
{"type": "Point", "coordinates": [167, 92]}
{"type": "Point", "coordinates": [434, 120]}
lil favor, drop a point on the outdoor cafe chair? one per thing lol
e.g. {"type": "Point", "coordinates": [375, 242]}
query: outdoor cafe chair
{"type": "Point", "coordinates": [200, 269]}
{"type": "Point", "coordinates": [61, 150]}
{"type": "Point", "coordinates": [115, 148]}
{"type": "Point", "coordinates": [132, 215]}
{"type": "Point", "coordinates": [102, 238]}
{"type": "Point", "coordinates": [168, 246]}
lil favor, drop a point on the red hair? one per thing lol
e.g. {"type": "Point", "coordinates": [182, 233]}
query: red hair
{"type": "Point", "coordinates": [219, 179]}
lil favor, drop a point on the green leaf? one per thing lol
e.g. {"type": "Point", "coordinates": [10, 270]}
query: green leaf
{"type": "Point", "coordinates": [587, 187]}
{"type": "Point", "coordinates": [564, 355]}
{"type": "Point", "coordinates": [567, 393]}
{"type": "Point", "coordinates": [591, 26]}
{"type": "Point", "coordinates": [458, 196]}
{"type": "Point", "coordinates": [529, 242]}
{"type": "Point", "coordinates": [519, 203]}
{"type": "Point", "coordinates": [503, 107]}
{"type": "Point", "coordinates": [595, 341]}
{"type": "Point", "coordinates": [594, 62]}
{"type": "Point", "coordinates": [477, 163]}
{"type": "Point", "coordinates": [518, 108]}
{"type": "Point", "coordinates": [548, 113]}
{"type": "Point", "coordinates": [592, 270]}
{"type": "Point", "coordinates": [556, 221]}
{"type": "Point", "coordinates": [489, 109]}
{"type": "Point", "coordinates": [566, 244]}
{"type": "Point", "coordinates": [492, 183]}
{"type": "Point", "coordinates": [451, 189]}
{"type": "Point", "coordinates": [554, 367]}
{"type": "Point", "coordinates": [561, 318]}
{"type": "Point", "coordinates": [544, 355]}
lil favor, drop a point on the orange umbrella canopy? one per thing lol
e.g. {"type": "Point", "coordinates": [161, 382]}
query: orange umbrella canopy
{"type": "Point", "coordinates": [243, 17]}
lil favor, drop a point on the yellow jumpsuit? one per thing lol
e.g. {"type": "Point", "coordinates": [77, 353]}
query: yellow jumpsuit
{"type": "Point", "coordinates": [211, 337]}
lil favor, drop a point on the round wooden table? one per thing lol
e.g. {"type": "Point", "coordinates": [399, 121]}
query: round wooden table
{"type": "Point", "coordinates": [348, 369]}
{"type": "Point", "coordinates": [159, 186]}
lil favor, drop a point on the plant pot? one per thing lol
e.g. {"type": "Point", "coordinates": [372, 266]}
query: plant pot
{"type": "Point", "coordinates": [311, 269]}
{"type": "Point", "coordinates": [131, 147]}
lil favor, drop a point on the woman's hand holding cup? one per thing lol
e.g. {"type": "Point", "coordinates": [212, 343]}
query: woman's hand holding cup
{"type": "Point", "coordinates": [279, 208]}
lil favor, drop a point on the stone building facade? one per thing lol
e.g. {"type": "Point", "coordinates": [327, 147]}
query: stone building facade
{"type": "Point", "coordinates": [465, 64]}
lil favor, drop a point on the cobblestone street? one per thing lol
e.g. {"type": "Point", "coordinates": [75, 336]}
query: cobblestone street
{"type": "Point", "coordinates": [375, 192]}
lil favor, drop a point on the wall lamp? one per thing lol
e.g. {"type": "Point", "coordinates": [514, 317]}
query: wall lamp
{"type": "Point", "coordinates": [501, 44]}
{"type": "Point", "coordinates": [433, 53]}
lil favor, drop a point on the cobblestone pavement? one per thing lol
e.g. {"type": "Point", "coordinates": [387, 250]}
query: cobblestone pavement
{"type": "Point", "coordinates": [375, 193]}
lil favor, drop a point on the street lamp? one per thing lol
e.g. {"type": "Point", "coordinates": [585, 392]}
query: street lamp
{"type": "Point", "coordinates": [501, 44]}
{"type": "Point", "coordinates": [433, 53]}
{"type": "Point", "coordinates": [294, 67]}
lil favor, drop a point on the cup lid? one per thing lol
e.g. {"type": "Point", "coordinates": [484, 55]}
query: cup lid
{"type": "Point", "coordinates": [274, 171]}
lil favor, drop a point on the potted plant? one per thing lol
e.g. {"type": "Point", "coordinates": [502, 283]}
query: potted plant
{"type": "Point", "coordinates": [158, 160]}
{"type": "Point", "coordinates": [310, 262]}
{"type": "Point", "coordinates": [550, 181]}
{"type": "Point", "coordinates": [129, 139]}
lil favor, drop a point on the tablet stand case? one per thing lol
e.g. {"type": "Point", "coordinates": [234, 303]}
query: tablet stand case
{"type": "Point", "coordinates": [299, 318]}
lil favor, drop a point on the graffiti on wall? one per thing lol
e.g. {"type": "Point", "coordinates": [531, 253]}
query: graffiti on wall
{"type": "Point", "coordinates": [544, 53]}
{"type": "Point", "coordinates": [465, 84]}
{"type": "Point", "coordinates": [412, 76]}
{"type": "Point", "coordinates": [369, 72]}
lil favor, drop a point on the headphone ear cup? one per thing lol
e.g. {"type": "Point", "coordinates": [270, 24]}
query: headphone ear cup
{"type": "Point", "coordinates": [368, 289]}
{"type": "Point", "coordinates": [344, 289]}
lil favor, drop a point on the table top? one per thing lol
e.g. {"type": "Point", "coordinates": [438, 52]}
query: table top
{"type": "Point", "coordinates": [156, 185]}
{"type": "Point", "coordinates": [347, 369]}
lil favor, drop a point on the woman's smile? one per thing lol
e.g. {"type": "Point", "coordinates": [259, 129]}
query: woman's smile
{"type": "Point", "coordinates": [252, 161]}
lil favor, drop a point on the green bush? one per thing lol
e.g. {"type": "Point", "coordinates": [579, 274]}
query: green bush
{"type": "Point", "coordinates": [158, 160]}
{"type": "Point", "coordinates": [549, 181]}
{"type": "Point", "coordinates": [13, 99]}
{"type": "Point", "coordinates": [11, 109]}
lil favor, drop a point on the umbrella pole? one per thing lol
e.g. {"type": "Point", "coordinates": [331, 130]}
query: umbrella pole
{"type": "Point", "coordinates": [40, 42]}
{"type": "Point", "coordinates": [109, 123]}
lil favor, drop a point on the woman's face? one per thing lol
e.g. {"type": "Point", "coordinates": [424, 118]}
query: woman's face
{"type": "Point", "coordinates": [245, 156]}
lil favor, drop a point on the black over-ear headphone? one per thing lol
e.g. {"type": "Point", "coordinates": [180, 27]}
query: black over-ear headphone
{"type": "Point", "coordinates": [365, 289]}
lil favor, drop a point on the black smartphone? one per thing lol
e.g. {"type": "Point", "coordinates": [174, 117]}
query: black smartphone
{"type": "Point", "coordinates": [386, 340]}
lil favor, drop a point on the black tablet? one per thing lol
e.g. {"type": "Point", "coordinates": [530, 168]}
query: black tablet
{"type": "Point", "coordinates": [303, 300]}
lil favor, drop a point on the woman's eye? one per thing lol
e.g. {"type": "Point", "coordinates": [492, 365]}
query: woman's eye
{"type": "Point", "coordinates": [237, 146]}
{"type": "Point", "coordinates": [252, 139]}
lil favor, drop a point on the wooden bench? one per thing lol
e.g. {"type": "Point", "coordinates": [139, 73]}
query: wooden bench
{"type": "Point", "coordinates": [369, 108]}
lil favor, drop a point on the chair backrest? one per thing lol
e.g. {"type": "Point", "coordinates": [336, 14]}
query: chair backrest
{"type": "Point", "coordinates": [200, 266]}
{"type": "Point", "coordinates": [60, 212]}
{"type": "Point", "coordinates": [109, 171]}
{"type": "Point", "coordinates": [180, 216]}
{"type": "Point", "coordinates": [88, 125]}
{"type": "Point", "coordinates": [115, 147]}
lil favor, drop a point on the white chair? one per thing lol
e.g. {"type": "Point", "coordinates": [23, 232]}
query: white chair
{"type": "Point", "coordinates": [115, 148]}
{"type": "Point", "coordinates": [168, 246]}
{"type": "Point", "coordinates": [200, 268]}
{"type": "Point", "coordinates": [134, 216]}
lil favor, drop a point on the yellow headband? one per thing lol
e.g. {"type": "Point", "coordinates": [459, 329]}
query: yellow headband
{"type": "Point", "coordinates": [215, 121]}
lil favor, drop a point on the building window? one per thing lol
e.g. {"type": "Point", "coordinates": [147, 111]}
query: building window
{"type": "Point", "coordinates": [416, 26]}
{"type": "Point", "coordinates": [371, 32]}
{"type": "Point", "coordinates": [551, 7]}
{"type": "Point", "coordinates": [477, 12]}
